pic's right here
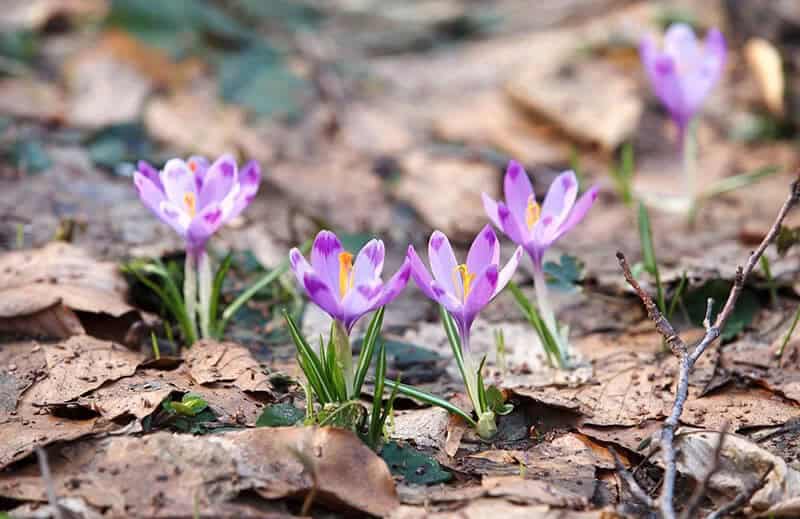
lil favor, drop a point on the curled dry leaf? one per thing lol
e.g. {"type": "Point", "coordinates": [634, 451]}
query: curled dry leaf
{"type": "Point", "coordinates": [743, 463]}
{"type": "Point", "coordinates": [212, 362]}
{"type": "Point", "coordinates": [41, 289]}
{"type": "Point", "coordinates": [175, 473]}
{"type": "Point", "coordinates": [21, 364]}
{"type": "Point", "coordinates": [426, 427]}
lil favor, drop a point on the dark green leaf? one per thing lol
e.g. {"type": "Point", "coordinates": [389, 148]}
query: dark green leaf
{"type": "Point", "coordinates": [122, 143]}
{"type": "Point", "coordinates": [20, 45]}
{"type": "Point", "coordinates": [565, 275]}
{"type": "Point", "coordinates": [787, 238]}
{"type": "Point", "coordinates": [743, 313]}
{"type": "Point", "coordinates": [497, 402]}
{"type": "Point", "coordinates": [191, 404]}
{"type": "Point", "coordinates": [415, 467]}
{"type": "Point", "coordinates": [280, 415]}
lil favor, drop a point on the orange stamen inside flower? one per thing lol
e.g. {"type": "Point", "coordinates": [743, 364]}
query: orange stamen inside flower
{"type": "Point", "coordinates": [190, 201]}
{"type": "Point", "coordinates": [462, 272]}
{"type": "Point", "coordinates": [532, 213]}
{"type": "Point", "coordinates": [346, 279]}
{"type": "Point", "coordinates": [193, 166]}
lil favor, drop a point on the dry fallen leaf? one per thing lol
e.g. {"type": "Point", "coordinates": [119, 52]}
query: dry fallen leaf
{"type": "Point", "coordinates": [21, 365]}
{"type": "Point", "coordinates": [41, 289]}
{"type": "Point", "coordinates": [766, 65]}
{"type": "Point", "coordinates": [211, 362]}
{"type": "Point", "coordinates": [174, 473]}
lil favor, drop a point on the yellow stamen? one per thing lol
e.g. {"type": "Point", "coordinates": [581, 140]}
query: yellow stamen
{"type": "Point", "coordinates": [345, 272]}
{"type": "Point", "coordinates": [193, 166]}
{"type": "Point", "coordinates": [190, 201]}
{"type": "Point", "coordinates": [532, 213]}
{"type": "Point", "coordinates": [466, 276]}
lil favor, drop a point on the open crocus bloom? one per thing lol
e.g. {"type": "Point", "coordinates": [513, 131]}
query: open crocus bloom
{"type": "Point", "coordinates": [465, 288]}
{"type": "Point", "coordinates": [344, 288]}
{"type": "Point", "coordinates": [533, 227]}
{"type": "Point", "coordinates": [196, 198]}
{"type": "Point", "coordinates": [685, 71]}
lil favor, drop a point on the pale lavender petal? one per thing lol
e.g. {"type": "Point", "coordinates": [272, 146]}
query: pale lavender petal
{"type": "Point", "coordinates": [319, 292]}
{"type": "Point", "coordinates": [218, 180]}
{"type": "Point", "coordinates": [485, 250]}
{"type": "Point", "coordinates": [174, 216]}
{"type": "Point", "coordinates": [508, 271]}
{"type": "Point", "coordinates": [490, 206]}
{"type": "Point", "coordinates": [443, 297]}
{"type": "Point", "coordinates": [518, 190]}
{"type": "Point", "coordinates": [206, 223]}
{"type": "Point", "coordinates": [368, 265]}
{"type": "Point", "coordinates": [560, 197]}
{"type": "Point", "coordinates": [483, 289]}
{"type": "Point", "coordinates": [420, 273]}
{"type": "Point", "coordinates": [299, 265]}
{"type": "Point", "coordinates": [396, 283]}
{"type": "Point", "coordinates": [707, 72]}
{"type": "Point", "coordinates": [325, 258]}
{"type": "Point", "coordinates": [360, 300]}
{"type": "Point", "coordinates": [150, 194]}
{"type": "Point", "coordinates": [178, 181]}
{"type": "Point", "coordinates": [198, 165]}
{"type": "Point", "coordinates": [579, 211]}
{"type": "Point", "coordinates": [680, 43]}
{"type": "Point", "coordinates": [443, 263]}
{"type": "Point", "coordinates": [144, 168]}
{"type": "Point", "coordinates": [510, 225]}
{"type": "Point", "coordinates": [249, 180]}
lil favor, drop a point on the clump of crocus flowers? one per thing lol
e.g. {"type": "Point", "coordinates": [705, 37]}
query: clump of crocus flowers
{"type": "Point", "coordinates": [196, 198]}
{"type": "Point", "coordinates": [682, 74]}
{"type": "Point", "coordinates": [536, 227]}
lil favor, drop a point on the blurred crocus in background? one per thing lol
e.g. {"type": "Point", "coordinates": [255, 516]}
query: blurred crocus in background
{"type": "Point", "coordinates": [536, 228]}
{"type": "Point", "coordinates": [682, 74]}
{"type": "Point", "coordinates": [196, 198]}
{"type": "Point", "coordinates": [464, 289]}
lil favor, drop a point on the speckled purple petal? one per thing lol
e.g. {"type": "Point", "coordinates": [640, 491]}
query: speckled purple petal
{"type": "Point", "coordinates": [218, 181]}
{"type": "Point", "coordinates": [490, 206]}
{"type": "Point", "coordinates": [443, 263]}
{"type": "Point", "coordinates": [507, 272]}
{"type": "Point", "coordinates": [483, 289]}
{"type": "Point", "coordinates": [583, 205]}
{"type": "Point", "coordinates": [518, 191]}
{"type": "Point", "coordinates": [485, 250]}
{"type": "Point", "coordinates": [368, 265]}
{"type": "Point", "coordinates": [319, 292]}
{"type": "Point", "coordinates": [510, 226]}
{"type": "Point", "coordinates": [203, 225]}
{"type": "Point", "coordinates": [178, 180]}
{"type": "Point", "coordinates": [299, 265]}
{"type": "Point", "coordinates": [151, 173]}
{"type": "Point", "coordinates": [396, 283]}
{"type": "Point", "coordinates": [325, 259]}
{"type": "Point", "coordinates": [150, 194]}
{"type": "Point", "coordinates": [420, 273]}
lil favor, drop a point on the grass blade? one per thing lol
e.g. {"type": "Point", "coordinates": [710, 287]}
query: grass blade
{"type": "Point", "coordinates": [428, 398]}
{"type": "Point", "coordinates": [216, 291]}
{"type": "Point", "coordinates": [735, 182]}
{"type": "Point", "coordinates": [312, 361]}
{"type": "Point", "coordinates": [367, 350]}
{"type": "Point", "coordinates": [452, 335]}
{"type": "Point", "coordinates": [549, 344]}
{"type": "Point", "coordinates": [649, 254]}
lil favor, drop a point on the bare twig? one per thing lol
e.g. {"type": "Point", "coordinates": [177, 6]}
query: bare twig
{"type": "Point", "coordinates": [687, 358]}
{"type": "Point", "coordinates": [743, 498]}
{"type": "Point", "coordinates": [636, 490]}
{"type": "Point", "coordinates": [49, 486]}
{"type": "Point", "coordinates": [701, 489]}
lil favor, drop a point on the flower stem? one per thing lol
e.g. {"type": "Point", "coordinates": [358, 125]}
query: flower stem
{"type": "Point", "coordinates": [689, 169]}
{"type": "Point", "coordinates": [546, 311]}
{"type": "Point", "coordinates": [205, 282]}
{"type": "Point", "coordinates": [190, 290]}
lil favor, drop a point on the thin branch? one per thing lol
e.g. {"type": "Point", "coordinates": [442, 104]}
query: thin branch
{"type": "Point", "coordinates": [636, 490]}
{"type": "Point", "coordinates": [743, 498]}
{"type": "Point", "coordinates": [687, 359]}
{"type": "Point", "coordinates": [702, 487]}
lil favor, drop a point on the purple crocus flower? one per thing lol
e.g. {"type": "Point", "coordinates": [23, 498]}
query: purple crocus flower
{"type": "Point", "coordinates": [345, 289]}
{"type": "Point", "coordinates": [685, 71]}
{"type": "Point", "coordinates": [465, 288]}
{"type": "Point", "coordinates": [533, 227]}
{"type": "Point", "coordinates": [196, 198]}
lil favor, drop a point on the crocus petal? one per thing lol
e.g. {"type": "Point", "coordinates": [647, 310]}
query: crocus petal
{"type": "Point", "coordinates": [485, 250]}
{"type": "Point", "coordinates": [149, 192]}
{"type": "Point", "coordinates": [510, 225]}
{"type": "Point", "coordinates": [319, 292]}
{"type": "Point", "coordinates": [483, 289]}
{"type": "Point", "coordinates": [144, 168]}
{"type": "Point", "coordinates": [508, 271]}
{"type": "Point", "coordinates": [560, 197]}
{"type": "Point", "coordinates": [490, 206]}
{"type": "Point", "coordinates": [325, 258]}
{"type": "Point", "coordinates": [360, 300]}
{"type": "Point", "coordinates": [299, 264]}
{"type": "Point", "coordinates": [178, 180]}
{"type": "Point", "coordinates": [396, 283]}
{"type": "Point", "coordinates": [199, 165]}
{"type": "Point", "coordinates": [579, 211]}
{"type": "Point", "coordinates": [249, 180]}
{"type": "Point", "coordinates": [218, 180]}
{"type": "Point", "coordinates": [369, 262]}
{"type": "Point", "coordinates": [443, 297]}
{"type": "Point", "coordinates": [202, 226]}
{"type": "Point", "coordinates": [174, 216]}
{"type": "Point", "coordinates": [680, 43]}
{"type": "Point", "coordinates": [420, 273]}
{"type": "Point", "coordinates": [443, 263]}
{"type": "Point", "coordinates": [518, 190]}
